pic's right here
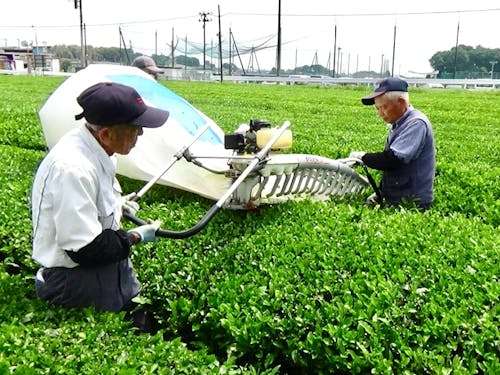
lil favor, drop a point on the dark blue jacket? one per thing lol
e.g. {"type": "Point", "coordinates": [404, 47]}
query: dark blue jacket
{"type": "Point", "coordinates": [411, 140]}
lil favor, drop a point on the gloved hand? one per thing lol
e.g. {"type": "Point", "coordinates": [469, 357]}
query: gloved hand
{"type": "Point", "coordinates": [372, 200]}
{"type": "Point", "coordinates": [129, 206]}
{"type": "Point", "coordinates": [357, 154]}
{"type": "Point", "coordinates": [147, 232]}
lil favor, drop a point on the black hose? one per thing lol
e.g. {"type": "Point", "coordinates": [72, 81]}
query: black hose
{"type": "Point", "coordinates": [372, 182]}
{"type": "Point", "coordinates": [181, 234]}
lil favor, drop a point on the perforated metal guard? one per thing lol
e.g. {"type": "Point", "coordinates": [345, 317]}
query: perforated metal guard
{"type": "Point", "coordinates": [296, 177]}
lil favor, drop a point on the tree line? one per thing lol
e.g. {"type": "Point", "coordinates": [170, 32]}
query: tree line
{"type": "Point", "coordinates": [460, 61]}
{"type": "Point", "coordinates": [467, 60]}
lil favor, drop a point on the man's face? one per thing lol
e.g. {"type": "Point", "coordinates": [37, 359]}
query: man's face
{"type": "Point", "coordinates": [122, 138]}
{"type": "Point", "coordinates": [389, 110]}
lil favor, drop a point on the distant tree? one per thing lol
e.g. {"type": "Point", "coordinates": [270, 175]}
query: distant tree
{"type": "Point", "coordinates": [64, 52]}
{"type": "Point", "coordinates": [282, 71]}
{"type": "Point", "coordinates": [162, 60]}
{"type": "Point", "coordinates": [209, 66]}
{"type": "Point", "coordinates": [465, 59]}
{"type": "Point", "coordinates": [317, 70]}
{"type": "Point", "coordinates": [226, 66]}
{"type": "Point", "coordinates": [187, 61]}
{"type": "Point", "coordinates": [313, 70]}
{"type": "Point", "coordinates": [65, 65]}
{"type": "Point", "coordinates": [366, 74]}
{"type": "Point", "coordinates": [110, 54]}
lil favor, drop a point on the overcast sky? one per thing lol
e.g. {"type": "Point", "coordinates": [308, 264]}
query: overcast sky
{"type": "Point", "coordinates": [365, 29]}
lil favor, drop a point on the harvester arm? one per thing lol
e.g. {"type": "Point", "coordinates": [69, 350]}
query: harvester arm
{"type": "Point", "coordinates": [255, 161]}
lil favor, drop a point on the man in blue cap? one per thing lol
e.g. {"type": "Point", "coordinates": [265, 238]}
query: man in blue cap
{"type": "Point", "coordinates": [407, 162]}
{"type": "Point", "coordinates": [77, 207]}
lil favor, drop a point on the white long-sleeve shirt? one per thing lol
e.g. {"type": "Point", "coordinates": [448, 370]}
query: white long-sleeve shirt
{"type": "Point", "coordinates": [75, 196]}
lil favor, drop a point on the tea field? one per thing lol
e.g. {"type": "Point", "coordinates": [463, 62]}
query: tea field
{"type": "Point", "coordinates": [294, 288]}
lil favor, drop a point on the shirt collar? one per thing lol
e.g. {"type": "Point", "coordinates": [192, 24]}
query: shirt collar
{"type": "Point", "coordinates": [107, 162]}
{"type": "Point", "coordinates": [403, 118]}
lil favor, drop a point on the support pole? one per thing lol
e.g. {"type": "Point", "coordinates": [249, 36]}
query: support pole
{"type": "Point", "coordinates": [78, 5]}
{"type": "Point", "coordinates": [204, 17]}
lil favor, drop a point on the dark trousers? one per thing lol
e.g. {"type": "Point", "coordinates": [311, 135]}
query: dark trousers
{"type": "Point", "coordinates": [110, 287]}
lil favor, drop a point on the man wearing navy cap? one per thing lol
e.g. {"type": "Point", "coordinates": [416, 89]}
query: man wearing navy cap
{"type": "Point", "coordinates": [407, 162]}
{"type": "Point", "coordinates": [77, 206]}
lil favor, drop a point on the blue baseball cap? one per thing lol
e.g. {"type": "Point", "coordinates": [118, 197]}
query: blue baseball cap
{"type": "Point", "coordinates": [386, 85]}
{"type": "Point", "coordinates": [110, 103]}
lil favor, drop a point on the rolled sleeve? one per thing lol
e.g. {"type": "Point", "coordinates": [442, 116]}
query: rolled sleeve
{"type": "Point", "coordinates": [410, 142]}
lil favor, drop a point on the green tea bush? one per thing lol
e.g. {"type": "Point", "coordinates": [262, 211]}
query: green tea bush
{"type": "Point", "coordinates": [16, 172]}
{"type": "Point", "coordinates": [298, 287]}
{"type": "Point", "coordinates": [320, 291]}
{"type": "Point", "coordinates": [22, 97]}
{"type": "Point", "coordinates": [40, 339]}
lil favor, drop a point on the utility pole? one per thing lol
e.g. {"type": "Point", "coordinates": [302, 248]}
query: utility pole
{"type": "Point", "coordinates": [172, 51]}
{"type": "Point", "coordinates": [341, 61]}
{"type": "Point", "coordinates": [382, 66]}
{"type": "Point", "coordinates": [278, 51]}
{"type": "Point", "coordinates": [185, 51]}
{"type": "Point", "coordinates": [456, 52]}
{"type": "Point", "coordinates": [204, 17]}
{"type": "Point", "coordinates": [334, 50]}
{"type": "Point", "coordinates": [393, 51]}
{"type": "Point", "coordinates": [338, 61]}
{"type": "Point", "coordinates": [295, 70]}
{"type": "Point", "coordinates": [220, 47]}
{"type": "Point", "coordinates": [230, 54]}
{"type": "Point", "coordinates": [34, 48]}
{"type": "Point", "coordinates": [348, 64]}
{"type": "Point", "coordinates": [156, 47]}
{"type": "Point", "coordinates": [492, 67]}
{"type": "Point", "coordinates": [78, 5]}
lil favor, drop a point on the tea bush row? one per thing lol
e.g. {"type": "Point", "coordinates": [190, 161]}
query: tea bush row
{"type": "Point", "coordinates": [297, 287]}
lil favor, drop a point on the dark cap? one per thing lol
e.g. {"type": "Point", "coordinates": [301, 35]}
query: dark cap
{"type": "Point", "coordinates": [386, 85]}
{"type": "Point", "coordinates": [109, 103]}
{"type": "Point", "coordinates": [147, 64]}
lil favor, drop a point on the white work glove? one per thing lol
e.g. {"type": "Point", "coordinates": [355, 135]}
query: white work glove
{"type": "Point", "coordinates": [129, 206]}
{"type": "Point", "coordinates": [357, 154]}
{"type": "Point", "coordinates": [147, 232]}
{"type": "Point", "coordinates": [372, 200]}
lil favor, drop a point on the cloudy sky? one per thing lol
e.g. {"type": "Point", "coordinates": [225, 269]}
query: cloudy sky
{"type": "Point", "coordinates": [365, 29]}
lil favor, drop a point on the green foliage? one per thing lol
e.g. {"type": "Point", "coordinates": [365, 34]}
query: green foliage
{"type": "Point", "coordinates": [69, 53]}
{"type": "Point", "coordinates": [21, 98]}
{"type": "Point", "coordinates": [466, 60]}
{"type": "Point", "coordinates": [40, 339]}
{"type": "Point", "coordinates": [302, 288]}
{"type": "Point", "coordinates": [187, 61]}
{"type": "Point", "coordinates": [16, 171]}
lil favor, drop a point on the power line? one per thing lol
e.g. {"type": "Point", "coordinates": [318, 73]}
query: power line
{"type": "Point", "coordinates": [367, 14]}
{"type": "Point", "coordinates": [105, 24]}
{"type": "Point", "coordinates": [424, 13]}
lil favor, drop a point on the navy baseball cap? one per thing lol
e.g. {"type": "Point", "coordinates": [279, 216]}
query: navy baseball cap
{"type": "Point", "coordinates": [386, 85]}
{"type": "Point", "coordinates": [109, 103]}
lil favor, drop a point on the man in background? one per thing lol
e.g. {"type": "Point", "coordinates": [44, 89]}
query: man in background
{"type": "Point", "coordinates": [148, 65]}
